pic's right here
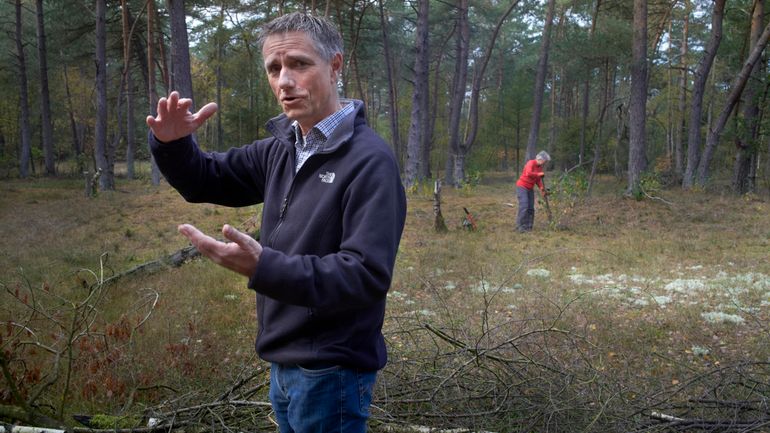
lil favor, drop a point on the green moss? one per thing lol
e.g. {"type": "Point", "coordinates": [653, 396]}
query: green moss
{"type": "Point", "coordinates": [103, 421]}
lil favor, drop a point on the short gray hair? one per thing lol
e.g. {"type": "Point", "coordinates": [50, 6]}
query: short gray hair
{"type": "Point", "coordinates": [543, 155]}
{"type": "Point", "coordinates": [325, 36]}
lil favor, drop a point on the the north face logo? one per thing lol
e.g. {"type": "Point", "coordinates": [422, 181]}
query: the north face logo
{"type": "Point", "coordinates": [327, 177]}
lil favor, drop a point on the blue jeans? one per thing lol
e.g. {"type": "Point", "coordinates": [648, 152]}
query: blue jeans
{"type": "Point", "coordinates": [526, 215]}
{"type": "Point", "coordinates": [328, 400]}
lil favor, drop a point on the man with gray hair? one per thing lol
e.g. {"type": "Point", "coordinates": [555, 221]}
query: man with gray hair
{"type": "Point", "coordinates": [531, 175]}
{"type": "Point", "coordinates": [334, 209]}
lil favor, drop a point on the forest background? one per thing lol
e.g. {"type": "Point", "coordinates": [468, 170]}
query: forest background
{"type": "Point", "coordinates": [660, 101]}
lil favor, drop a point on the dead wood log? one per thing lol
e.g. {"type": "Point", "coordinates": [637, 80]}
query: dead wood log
{"type": "Point", "coordinates": [17, 413]}
{"type": "Point", "coordinates": [174, 260]}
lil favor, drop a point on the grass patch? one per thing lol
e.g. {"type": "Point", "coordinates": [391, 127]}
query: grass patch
{"type": "Point", "coordinates": [618, 308]}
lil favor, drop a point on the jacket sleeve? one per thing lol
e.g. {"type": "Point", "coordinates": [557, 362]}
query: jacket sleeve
{"type": "Point", "coordinates": [233, 178]}
{"type": "Point", "coordinates": [539, 180]}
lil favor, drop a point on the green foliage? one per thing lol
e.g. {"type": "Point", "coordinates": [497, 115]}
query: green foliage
{"type": "Point", "coordinates": [573, 184]}
{"type": "Point", "coordinates": [471, 181]}
{"type": "Point", "coordinates": [566, 193]}
{"type": "Point", "coordinates": [649, 185]}
{"type": "Point", "coordinates": [423, 188]}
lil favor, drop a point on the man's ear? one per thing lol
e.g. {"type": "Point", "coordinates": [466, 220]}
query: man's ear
{"type": "Point", "coordinates": [336, 65]}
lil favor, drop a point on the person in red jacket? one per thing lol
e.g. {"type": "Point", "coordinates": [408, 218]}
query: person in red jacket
{"type": "Point", "coordinates": [531, 175]}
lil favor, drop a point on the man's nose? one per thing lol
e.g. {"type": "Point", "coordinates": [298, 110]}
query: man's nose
{"type": "Point", "coordinates": [286, 78]}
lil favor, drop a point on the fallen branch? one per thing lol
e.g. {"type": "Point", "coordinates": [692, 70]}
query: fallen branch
{"type": "Point", "coordinates": [17, 413]}
{"type": "Point", "coordinates": [174, 260]}
{"type": "Point", "coordinates": [395, 428]}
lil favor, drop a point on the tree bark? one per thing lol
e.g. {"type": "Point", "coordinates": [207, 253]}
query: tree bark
{"type": "Point", "coordinates": [414, 154]}
{"type": "Point", "coordinates": [747, 136]}
{"type": "Point", "coordinates": [130, 128]}
{"type": "Point", "coordinates": [152, 92]}
{"type": "Point", "coordinates": [220, 79]}
{"type": "Point", "coordinates": [637, 147]}
{"type": "Point", "coordinates": [599, 126]}
{"type": "Point", "coordinates": [45, 96]}
{"type": "Point", "coordinates": [392, 90]}
{"type": "Point", "coordinates": [77, 145]}
{"type": "Point", "coordinates": [181, 77]}
{"type": "Point", "coordinates": [681, 129]}
{"type": "Point", "coordinates": [129, 93]}
{"type": "Point", "coordinates": [473, 110]}
{"type": "Point", "coordinates": [699, 87]}
{"type": "Point", "coordinates": [542, 69]}
{"type": "Point", "coordinates": [103, 162]}
{"type": "Point", "coordinates": [457, 94]}
{"type": "Point", "coordinates": [586, 109]}
{"type": "Point", "coordinates": [732, 99]}
{"type": "Point", "coordinates": [25, 157]}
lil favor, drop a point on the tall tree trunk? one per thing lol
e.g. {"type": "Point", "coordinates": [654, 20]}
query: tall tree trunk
{"type": "Point", "coordinates": [501, 114]}
{"type": "Point", "coordinates": [152, 91]}
{"type": "Point", "coordinates": [542, 69]}
{"type": "Point", "coordinates": [356, 15]}
{"type": "Point", "coordinates": [584, 117]}
{"type": "Point", "coordinates": [219, 76]}
{"type": "Point", "coordinates": [129, 86]}
{"type": "Point", "coordinates": [681, 129]}
{"type": "Point", "coordinates": [457, 94]}
{"type": "Point", "coordinates": [586, 96]}
{"type": "Point", "coordinates": [599, 126]}
{"type": "Point", "coordinates": [181, 77]}
{"type": "Point", "coordinates": [103, 162]}
{"type": "Point", "coordinates": [392, 90]}
{"type": "Point", "coordinates": [620, 133]}
{"type": "Point", "coordinates": [747, 136]}
{"type": "Point", "coordinates": [414, 152]}
{"type": "Point", "coordinates": [45, 97]}
{"type": "Point", "coordinates": [25, 157]}
{"type": "Point", "coordinates": [478, 77]}
{"type": "Point", "coordinates": [428, 118]}
{"type": "Point", "coordinates": [77, 144]}
{"type": "Point", "coordinates": [557, 86]}
{"type": "Point", "coordinates": [637, 147]}
{"type": "Point", "coordinates": [732, 99]}
{"type": "Point", "coordinates": [138, 46]}
{"type": "Point", "coordinates": [698, 91]}
{"type": "Point", "coordinates": [130, 128]}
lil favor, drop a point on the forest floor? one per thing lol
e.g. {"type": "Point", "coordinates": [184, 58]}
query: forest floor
{"type": "Point", "coordinates": [613, 316]}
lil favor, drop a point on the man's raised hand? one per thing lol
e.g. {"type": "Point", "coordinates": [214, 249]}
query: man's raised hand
{"type": "Point", "coordinates": [174, 119]}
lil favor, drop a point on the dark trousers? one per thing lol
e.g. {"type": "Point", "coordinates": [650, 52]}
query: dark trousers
{"type": "Point", "coordinates": [526, 216]}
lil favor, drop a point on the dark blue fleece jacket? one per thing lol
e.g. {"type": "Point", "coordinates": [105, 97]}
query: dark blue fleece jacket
{"type": "Point", "coordinates": [330, 235]}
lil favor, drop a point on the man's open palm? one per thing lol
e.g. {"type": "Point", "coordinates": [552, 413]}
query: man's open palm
{"type": "Point", "coordinates": [174, 119]}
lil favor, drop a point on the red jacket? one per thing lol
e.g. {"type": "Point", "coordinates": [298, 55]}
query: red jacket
{"type": "Point", "coordinates": [531, 175]}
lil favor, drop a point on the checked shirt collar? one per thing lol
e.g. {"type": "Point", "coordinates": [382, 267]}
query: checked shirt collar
{"type": "Point", "coordinates": [315, 140]}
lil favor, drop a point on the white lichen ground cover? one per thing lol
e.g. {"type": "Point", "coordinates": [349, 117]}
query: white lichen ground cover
{"type": "Point", "coordinates": [723, 296]}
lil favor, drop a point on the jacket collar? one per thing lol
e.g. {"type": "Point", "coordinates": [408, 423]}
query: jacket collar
{"type": "Point", "coordinates": [280, 127]}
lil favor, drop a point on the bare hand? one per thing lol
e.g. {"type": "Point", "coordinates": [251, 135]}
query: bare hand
{"type": "Point", "coordinates": [174, 119]}
{"type": "Point", "coordinates": [241, 255]}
